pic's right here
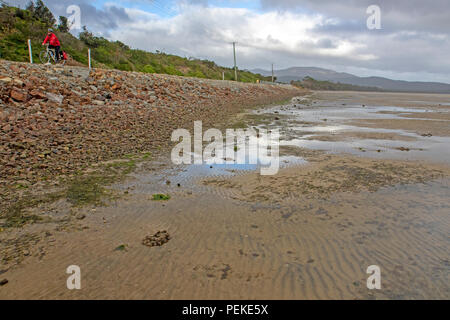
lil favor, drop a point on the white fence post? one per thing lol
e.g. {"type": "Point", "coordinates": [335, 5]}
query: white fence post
{"type": "Point", "coordinates": [30, 51]}
{"type": "Point", "coordinates": [89, 57]}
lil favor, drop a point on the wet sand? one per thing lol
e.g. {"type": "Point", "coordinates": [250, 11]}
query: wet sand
{"type": "Point", "coordinates": [309, 232]}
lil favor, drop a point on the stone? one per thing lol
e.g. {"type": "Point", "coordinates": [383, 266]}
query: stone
{"type": "Point", "coordinates": [98, 102]}
{"type": "Point", "coordinates": [18, 82]}
{"type": "Point", "coordinates": [156, 240]}
{"type": "Point", "coordinates": [6, 79]}
{"type": "Point", "coordinates": [38, 94]}
{"type": "Point", "coordinates": [19, 95]}
{"type": "Point", "coordinates": [81, 216]}
{"type": "Point", "coordinates": [54, 97]}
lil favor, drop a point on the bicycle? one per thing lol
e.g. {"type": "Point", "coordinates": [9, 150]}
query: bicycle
{"type": "Point", "coordinates": [48, 56]}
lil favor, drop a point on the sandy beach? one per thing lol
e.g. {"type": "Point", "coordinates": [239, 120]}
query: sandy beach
{"type": "Point", "coordinates": [364, 180]}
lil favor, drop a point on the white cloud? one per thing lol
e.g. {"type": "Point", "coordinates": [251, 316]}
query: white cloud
{"type": "Point", "coordinates": [207, 32]}
{"type": "Point", "coordinates": [413, 44]}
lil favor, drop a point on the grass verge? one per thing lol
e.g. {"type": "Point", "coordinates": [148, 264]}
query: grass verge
{"type": "Point", "coordinates": [84, 188]}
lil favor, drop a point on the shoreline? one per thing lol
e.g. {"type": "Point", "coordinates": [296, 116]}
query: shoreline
{"type": "Point", "coordinates": [55, 126]}
{"type": "Point", "coordinates": [309, 232]}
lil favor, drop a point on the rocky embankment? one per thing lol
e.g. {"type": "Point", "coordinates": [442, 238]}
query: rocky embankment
{"type": "Point", "coordinates": [56, 120]}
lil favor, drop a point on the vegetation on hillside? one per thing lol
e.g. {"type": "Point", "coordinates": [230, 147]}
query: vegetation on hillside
{"type": "Point", "coordinates": [313, 84]}
{"type": "Point", "coordinates": [18, 25]}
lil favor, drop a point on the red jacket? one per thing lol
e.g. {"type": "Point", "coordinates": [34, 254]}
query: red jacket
{"type": "Point", "coordinates": [53, 40]}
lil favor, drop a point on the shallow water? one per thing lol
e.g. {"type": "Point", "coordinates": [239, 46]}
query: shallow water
{"type": "Point", "coordinates": [301, 124]}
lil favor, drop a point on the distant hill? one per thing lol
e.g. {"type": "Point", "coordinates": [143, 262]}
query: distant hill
{"type": "Point", "coordinates": [313, 84]}
{"type": "Point", "coordinates": [17, 25]}
{"type": "Point", "coordinates": [299, 73]}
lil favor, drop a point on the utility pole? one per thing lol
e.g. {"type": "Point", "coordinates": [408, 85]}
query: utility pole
{"type": "Point", "coordinates": [272, 73]}
{"type": "Point", "coordinates": [235, 67]}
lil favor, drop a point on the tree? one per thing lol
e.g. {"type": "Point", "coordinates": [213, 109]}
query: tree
{"type": "Point", "coordinates": [63, 24]}
{"type": "Point", "coordinates": [86, 36]}
{"type": "Point", "coordinates": [7, 20]}
{"type": "Point", "coordinates": [30, 7]}
{"type": "Point", "coordinates": [43, 13]}
{"type": "Point", "coordinates": [89, 39]}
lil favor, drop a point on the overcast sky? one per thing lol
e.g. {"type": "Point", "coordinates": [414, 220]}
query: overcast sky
{"type": "Point", "coordinates": [412, 44]}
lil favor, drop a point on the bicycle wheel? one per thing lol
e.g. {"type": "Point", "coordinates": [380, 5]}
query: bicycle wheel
{"type": "Point", "coordinates": [44, 57]}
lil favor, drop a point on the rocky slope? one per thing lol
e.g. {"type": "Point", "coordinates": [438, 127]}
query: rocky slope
{"type": "Point", "coordinates": [56, 120]}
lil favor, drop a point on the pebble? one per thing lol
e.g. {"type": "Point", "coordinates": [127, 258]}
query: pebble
{"type": "Point", "coordinates": [81, 216]}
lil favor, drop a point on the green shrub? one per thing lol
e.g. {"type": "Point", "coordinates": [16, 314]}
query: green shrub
{"type": "Point", "coordinates": [148, 69]}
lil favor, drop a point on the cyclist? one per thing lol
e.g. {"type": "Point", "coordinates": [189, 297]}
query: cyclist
{"type": "Point", "coordinates": [54, 43]}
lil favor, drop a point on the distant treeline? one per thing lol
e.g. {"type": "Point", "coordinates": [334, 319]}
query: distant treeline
{"type": "Point", "coordinates": [313, 84]}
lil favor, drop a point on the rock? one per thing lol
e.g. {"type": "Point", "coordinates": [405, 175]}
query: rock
{"type": "Point", "coordinates": [98, 102]}
{"type": "Point", "coordinates": [34, 80]}
{"type": "Point", "coordinates": [81, 216]}
{"type": "Point", "coordinates": [38, 94]}
{"type": "Point", "coordinates": [18, 82]}
{"type": "Point", "coordinates": [23, 182]}
{"type": "Point", "coordinates": [19, 95]}
{"type": "Point", "coordinates": [3, 282]}
{"type": "Point", "coordinates": [54, 97]}
{"type": "Point", "coordinates": [6, 79]}
{"type": "Point", "coordinates": [156, 240]}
